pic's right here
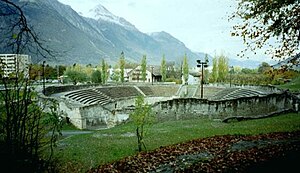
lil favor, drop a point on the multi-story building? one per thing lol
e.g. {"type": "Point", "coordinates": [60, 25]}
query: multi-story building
{"type": "Point", "coordinates": [152, 74]}
{"type": "Point", "coordinates": [12, 65]}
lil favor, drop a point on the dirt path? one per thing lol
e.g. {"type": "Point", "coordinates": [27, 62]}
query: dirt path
{"type": "Point", "coordinates": [274, 152]}
{"type": "Point", "coordinates": [66, 133]}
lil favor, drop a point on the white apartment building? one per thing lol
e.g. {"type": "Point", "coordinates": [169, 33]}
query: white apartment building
{"type": "Point", "coordinates": [14, 64]}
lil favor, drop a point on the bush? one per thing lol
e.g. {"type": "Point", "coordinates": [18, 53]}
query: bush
{"type": "Point", "coordinates": [177, 81]}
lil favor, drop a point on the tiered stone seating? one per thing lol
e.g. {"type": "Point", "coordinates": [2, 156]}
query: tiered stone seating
{"type": "Point", "coordinates": [188, 91]}
{"type": "Point", "coordinates": [104, 95]}
{"type": "Point", "coordinates": [243, 93]}
{"type": "Point", "coordinates": [147, 90]}
{"type": "Point", "coordinates": [209, 91]}
{"type": "Point", "coordinates": [164, 90]}
{"type": "Point", "coordinates": [232, 93]}
{"type": "Point", "coordinates": [89, 96]}
{"type": "Point", "coordinates": [119, 92]}
{"type": "Point", "coordinates": [221, 94]}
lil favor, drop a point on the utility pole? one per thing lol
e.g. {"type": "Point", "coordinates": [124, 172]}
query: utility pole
{"type": "Point", "coordinates": [57, 71]}
{"type": "Point", "coordinates": [44, 91]}
{"type": "Point", "coordinates": [202, 65]}
{"type": "Point", "coordinates": [231, 71]}
{"type": "Point", "coordinates": [152, 74]}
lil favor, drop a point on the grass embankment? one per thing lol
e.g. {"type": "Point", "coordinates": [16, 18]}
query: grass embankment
{"type": "Point", "coordinates": [81, 152]}
{"type": "Point", "coordinates": [294, 85]}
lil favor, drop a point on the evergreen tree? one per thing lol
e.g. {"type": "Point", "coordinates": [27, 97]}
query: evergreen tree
{"type": "Point", "coordinates": [96, 77]}
{"type": "Point", "coordinates": [163, 68]}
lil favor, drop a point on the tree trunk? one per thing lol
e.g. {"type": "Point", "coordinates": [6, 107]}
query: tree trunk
{"type": "Point", "coordinates": [139, 139]}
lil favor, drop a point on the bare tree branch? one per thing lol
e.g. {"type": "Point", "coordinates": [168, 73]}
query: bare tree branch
{"type": "Point", "coordinates": [20, 36]}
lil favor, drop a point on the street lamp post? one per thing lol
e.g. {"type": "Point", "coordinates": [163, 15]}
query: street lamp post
{"type": "Point", "coordinates": [202, 65]}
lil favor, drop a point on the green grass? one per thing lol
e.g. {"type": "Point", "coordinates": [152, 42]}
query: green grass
{"type": "Point", "coordinates": [294, 85]}
{"type": "Point", "coordinates": [68, 126]}
{"type": "Point", "coordinates": [81, 152]}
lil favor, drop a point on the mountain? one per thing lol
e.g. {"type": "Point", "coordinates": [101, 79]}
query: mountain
{"type": "Point", "coordinates": [244, 63]}
{"type": "Point", "coordinates": [101, 13]}
{"type": "Point", "coordinates": [170, 45]}
{"type": "Point", "coordinates": [86, 40]}
{"type": "Point", "coordinates": [97, 35]}
{"type": "Point", "coordinates": [290, 63]}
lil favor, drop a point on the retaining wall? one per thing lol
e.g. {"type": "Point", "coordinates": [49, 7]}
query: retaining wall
{"type": "Point", "coordinates": [101, 116]}
{"type": "Point", "coordinates": [186, 108]}
{"type": "Point", "coordinates": [172, 108]}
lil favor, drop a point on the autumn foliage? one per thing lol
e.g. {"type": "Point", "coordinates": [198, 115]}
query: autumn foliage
{"type": "Point", "coordinates": [229, 153]}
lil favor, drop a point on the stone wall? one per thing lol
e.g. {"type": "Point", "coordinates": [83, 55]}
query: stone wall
{"type": "Point", "coordinates": [186, 108]}
{"type": "Point", "coordinates": [173, 108]}
{"type": "Point", "coordinates": [73, 114]}
{"type": "Point", "coordinates": [101, 116]}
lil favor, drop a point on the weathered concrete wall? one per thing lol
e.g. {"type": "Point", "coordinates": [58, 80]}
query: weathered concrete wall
{"type": "Point", "coordinates": [153, 100]}
{"type": "Point", "coordinates": [172, 108]}
{"type": "Point", "coordinates": [73, 113]}
{"type": "Point", "coordinates": [186, 108]}
{"type": "Point", "coordinates": [99, 116]}
{"type": "Point", "coordinates": [96, 116]}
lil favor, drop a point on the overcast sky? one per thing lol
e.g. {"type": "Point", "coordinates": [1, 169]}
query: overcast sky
{"type": "Point", "coordinates": [202, 25]}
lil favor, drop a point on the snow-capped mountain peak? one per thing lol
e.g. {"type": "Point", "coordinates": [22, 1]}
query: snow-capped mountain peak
{"type": "Point", "coordinates": [101, 13]}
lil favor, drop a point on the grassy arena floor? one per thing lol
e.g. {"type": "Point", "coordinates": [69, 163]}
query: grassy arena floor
{"type": "Point", "coordinates": [79, 153]}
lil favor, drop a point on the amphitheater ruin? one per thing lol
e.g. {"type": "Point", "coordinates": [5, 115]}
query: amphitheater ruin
{"type": "Point", "coordinates": [95, 107]}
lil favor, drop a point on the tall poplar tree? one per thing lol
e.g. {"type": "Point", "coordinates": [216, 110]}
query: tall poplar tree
{"type": "Point", "coordinates": [222, 68]}
{"type": "Point", "coordinates": [185, 68]}
{"type": "Point", "coordinates": [163, 69]}
{"type": "Point", "coordinates": [214, 73]}
{"type": "Point", "coordinates": [122, 66]}
{"type": "Point", "coordinates": [103, 71]}
{"type": "Point", "coordinates": [144, 67]}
